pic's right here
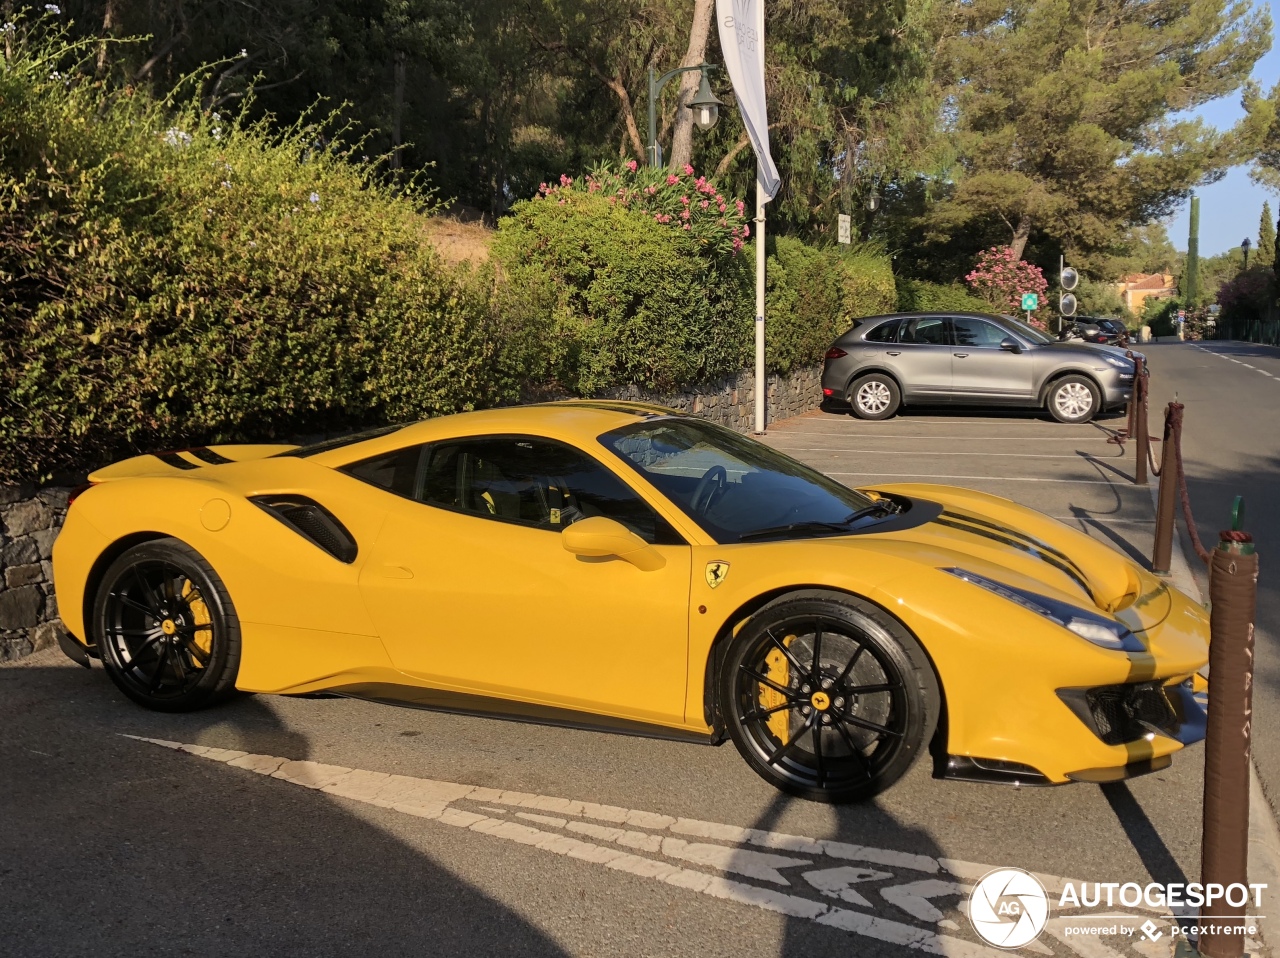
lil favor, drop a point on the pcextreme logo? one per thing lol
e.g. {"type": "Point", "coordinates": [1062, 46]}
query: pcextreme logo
{"type": "Point", "coordinates": [1009, 908]}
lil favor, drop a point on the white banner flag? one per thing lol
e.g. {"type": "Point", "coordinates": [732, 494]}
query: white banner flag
{"type": "Point", "coordinates": [742, 42]}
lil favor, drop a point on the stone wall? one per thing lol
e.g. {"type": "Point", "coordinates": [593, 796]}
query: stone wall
{"type": "Point", "coordinates": [30, 518]}
{"type": "Point", "coordinates": [29, 522]}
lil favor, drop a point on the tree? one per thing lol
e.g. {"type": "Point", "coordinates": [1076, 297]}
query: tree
{"type": "Point", "coordinates": [1001, 279]}
{"type": "Point", "coordinates": [1266, 238]}
{"type": "Point", "coordinates": [1191, 275]}
{"type": "Point", "coordinates": [1061, 111]}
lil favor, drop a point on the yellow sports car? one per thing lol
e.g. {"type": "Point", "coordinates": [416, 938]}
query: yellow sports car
{"type": "Point", "coordinates": [619, 566]}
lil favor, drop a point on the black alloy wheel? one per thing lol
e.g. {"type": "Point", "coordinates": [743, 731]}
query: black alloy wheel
{"type": "Point", "coordinates": [828, 697]}
{"type": "Point", "coordinates": [165, 628]}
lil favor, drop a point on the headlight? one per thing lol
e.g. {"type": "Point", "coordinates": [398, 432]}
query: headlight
{"type": "Point", "coordinates": [1090, 626]}
{"type": "Point", "coordinates": [1119, 363]}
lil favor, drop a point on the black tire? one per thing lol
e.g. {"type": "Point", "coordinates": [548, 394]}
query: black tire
{"type": "Point", "coordinates": [878, 707]}
{"type": "Point", "coordinates": [1074, 399]}
{"type": "Point", "coordinates": [874, 396]}
{"type": "Point", "coordinates": [166, 629]}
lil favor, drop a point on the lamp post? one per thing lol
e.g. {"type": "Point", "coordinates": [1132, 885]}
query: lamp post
{"type": "Point", "coordinates": [873, 201]}
{"type": "Point", "coordinates": [1244, 248]}
{"type": "Point", "coordinates": [705, 106]}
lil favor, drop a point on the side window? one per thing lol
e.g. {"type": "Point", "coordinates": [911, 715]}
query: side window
{"type": "Point", "coordinates": [976, 332]}
{"type": "Point", "coordinates": [396, 472]}
{"type": "Point", "coordinates": [884, 333]}
{"type": "Point", "coordinates": [536, 483]}
{"type": "Point", "coordinates": [926, 330]}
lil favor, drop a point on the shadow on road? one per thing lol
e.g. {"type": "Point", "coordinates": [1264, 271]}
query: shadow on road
{"type": "Point", "coordinates": [115, 847]}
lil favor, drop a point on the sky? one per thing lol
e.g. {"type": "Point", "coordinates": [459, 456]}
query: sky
{"type": "Point", "coordinates": [1231, 208]}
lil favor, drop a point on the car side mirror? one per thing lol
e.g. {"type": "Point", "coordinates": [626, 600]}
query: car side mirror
{"type": "Point", "coordinates": [1011, 344]}
{"type": "Point", "coordinates": [601, 538]}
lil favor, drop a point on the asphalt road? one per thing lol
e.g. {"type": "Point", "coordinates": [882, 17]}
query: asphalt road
{"type": "Point", "coordinates": [1230, 447]}
{"type": "Point", "coordinates": [110, 845]}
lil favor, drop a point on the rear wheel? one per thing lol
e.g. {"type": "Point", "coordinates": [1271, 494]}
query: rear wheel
{"type": "Point", "coordinates": [166, 629]}
{"type": "Point", "coordinates": [828, 697]}
{"type": "Point", "coordinates": [1074, 399]}
{"type": "Point", "coordinates": [875, 396]}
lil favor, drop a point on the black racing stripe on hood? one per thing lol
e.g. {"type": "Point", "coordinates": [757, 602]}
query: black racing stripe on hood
{"type": "Point", "coordinates": [1052, 557]}
{"type": "Point", "coordinates": [173, 459]}
{"type": "Point", "coordinates": [1005, 530]}
{"type": "Point", "coordinates": [205, 454]}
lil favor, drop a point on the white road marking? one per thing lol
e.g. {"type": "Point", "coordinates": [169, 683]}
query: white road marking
{"type": "Point", "coordinates": [791, 431]}
{"type": "Point", "coordinates": [441, 802]}
{"type": "Point", "coordinates": [929, 475]}
{"type": "Point", "coordinates": [930, 453]}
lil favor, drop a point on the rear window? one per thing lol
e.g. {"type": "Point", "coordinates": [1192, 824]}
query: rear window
{"type": "Point", "coordinates": [327, 445]}
{"type": "Point", "coordinates": [884, 333]}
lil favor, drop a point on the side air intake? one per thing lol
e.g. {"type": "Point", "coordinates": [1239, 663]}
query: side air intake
{"type": "Point", "coordinates": [313, 522]}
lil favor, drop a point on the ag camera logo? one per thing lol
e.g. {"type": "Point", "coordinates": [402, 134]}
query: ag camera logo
{"type": "Point", "coordinates": [1009, 908]}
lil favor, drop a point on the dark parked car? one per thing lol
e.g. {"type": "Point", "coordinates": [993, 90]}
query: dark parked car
{"type": "Point", "coordinates": [1095, 329]}
{"type": "Point", "coordinates": [975, 359]}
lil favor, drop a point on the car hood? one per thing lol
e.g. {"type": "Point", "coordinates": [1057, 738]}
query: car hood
{"type": "Point", "coordinates": [1020, 547]}
{"type": "Point", "coordinates": [1089, 350]}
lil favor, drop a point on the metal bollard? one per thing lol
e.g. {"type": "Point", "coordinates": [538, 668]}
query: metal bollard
{"type": "Point", "coordinates": [1167, 503]}
{"type": "Point", "coordinates": [1140, 422]}
{"type": "Point", "coordinates": [1224, 854]}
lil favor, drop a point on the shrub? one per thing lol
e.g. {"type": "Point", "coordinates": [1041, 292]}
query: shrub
{"type": "Point", "coordinates": [174, 276]}
{"type": "Point", "coordinates": [814, 294]}
{"type": "Point", "coordinates": [619, 297]}
{"type": "Point", "coordinates": [1000, 279]}
{"type": "Point", "coordinates": [922, 296]}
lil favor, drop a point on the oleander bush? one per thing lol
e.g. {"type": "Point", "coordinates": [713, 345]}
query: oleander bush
{"type": "Point", "coordinates": [171, 275]}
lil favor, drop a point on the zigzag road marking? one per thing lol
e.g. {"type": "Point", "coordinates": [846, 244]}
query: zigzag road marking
{"type": "Point", "coordinates": [561, 822]}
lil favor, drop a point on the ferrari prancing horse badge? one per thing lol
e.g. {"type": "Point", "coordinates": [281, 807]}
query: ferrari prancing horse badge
{"type": "Point", "coordinates": [716, 571]}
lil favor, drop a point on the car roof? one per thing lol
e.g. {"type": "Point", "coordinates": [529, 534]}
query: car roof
{"type": "Point", "coordinates": [578, 421]}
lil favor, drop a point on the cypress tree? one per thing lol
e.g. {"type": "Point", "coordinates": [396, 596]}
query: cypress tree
{"type": "Point", "coordinates": [1266, 238]}
{"type": "Point", "coordinates": [1191, 277]}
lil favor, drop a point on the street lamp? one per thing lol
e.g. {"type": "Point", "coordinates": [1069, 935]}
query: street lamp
{"type": "Point", "coordinates": [1244, 247]}
{"type": "Point", "coordinates": [705, 106]}
{"type": "Point", "coordinates": [873, 201]}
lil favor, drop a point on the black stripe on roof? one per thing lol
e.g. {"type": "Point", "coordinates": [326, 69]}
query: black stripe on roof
{"type": "Point", "coordinates": [173, 459]}
{"type": "Point", "coordinates": [205, 454]}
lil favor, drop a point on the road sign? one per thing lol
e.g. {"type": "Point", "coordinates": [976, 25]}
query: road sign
{"type": "Point", "coordinates": [843, 221]}
{"type": "Point", "coordinates": [1182, 315]}
{"type": "Point", "coordinates": [1030, 301]}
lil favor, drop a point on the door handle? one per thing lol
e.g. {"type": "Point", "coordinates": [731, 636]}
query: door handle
{"type": "Point", "coordinates": [960, 355]}
{"type": "Point", "coordinates": [395, 572]}
{"type": "Point", "coordinates": [895, 352]}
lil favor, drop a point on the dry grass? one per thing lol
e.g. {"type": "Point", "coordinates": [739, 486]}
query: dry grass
{"type": "Point", "coordinates": [459, 242]}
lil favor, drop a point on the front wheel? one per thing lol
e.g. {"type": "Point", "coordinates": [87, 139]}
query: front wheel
{"type": "Point", "coordinates": [166, 629]}
{"type": "Point", "coordinates": [828, 697]}
{"type": "Point", "coordinates": [1074, 399]}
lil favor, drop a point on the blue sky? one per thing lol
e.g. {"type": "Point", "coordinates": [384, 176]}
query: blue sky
{"type": "Point", "coordinates": [1229, 209]}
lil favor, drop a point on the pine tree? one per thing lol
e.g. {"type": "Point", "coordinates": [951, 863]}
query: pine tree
{"type": "Point", "coordinates": [1266, 238]}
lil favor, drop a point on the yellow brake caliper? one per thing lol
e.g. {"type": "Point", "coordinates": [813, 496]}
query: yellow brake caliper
{"type": "Point", "coordinates": [779, 669]}
{"type": "Point", "coordinates": [200, 616]}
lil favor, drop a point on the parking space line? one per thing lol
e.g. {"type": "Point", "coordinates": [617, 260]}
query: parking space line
{"type": "Point", "coordinates": [930, 452]}
{"type": "Point", "coordinates": [873, 435]}
{"type": "Point", "coordinates": [927, 475]}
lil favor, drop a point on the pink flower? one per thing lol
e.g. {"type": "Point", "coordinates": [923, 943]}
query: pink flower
{"type": "Point", "coordinates": [684, 200]}
{"type": "Point", "coordinates": [672, 179]}
{"type": "Point", "coordinates": [651, 190]}
{"type": "Point", "coordinates": [722, 207]}
{"type": "Point", "coordinates": [746, 231]}
{"type": "Point", "coordinates": [688, 170]}
{"type": "Point", "coordinates": [686, 225]}
{"type": "Point", "coordinates": [684, 214]}
{"type": "Point", "coordinates": [741, 206]}
{"type": "Point", "coordinates": [564, 180]}
{"type": "Point", "coordinates": [542, 187]}
{"type": "Point", "coordinates": [632, 166]}
{"type": "Point", "coordinates": [703, 204]}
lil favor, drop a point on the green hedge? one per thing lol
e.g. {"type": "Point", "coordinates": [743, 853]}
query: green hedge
{"type": "Point", "coordinates": [174, 276]}
{"type": "Point", "coordinates": [921, 296]}
{"type": "Point", "coordinates": [814, 294]}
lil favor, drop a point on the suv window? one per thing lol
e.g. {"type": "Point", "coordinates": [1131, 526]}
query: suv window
{"type": "Point", "coordinates": [976, 332]}
{"type": "Point", "coordinates": [928, 330]}
{"type": "Point", "coordinates": [884, 333]}
{"type": "Point", "coordinates": [520, 479]}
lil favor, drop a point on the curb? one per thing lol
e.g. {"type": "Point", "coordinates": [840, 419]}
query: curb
{"type": "Point", "coordinates": [1264, 831]}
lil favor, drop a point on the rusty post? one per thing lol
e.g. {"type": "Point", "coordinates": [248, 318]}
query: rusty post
{"type": "Point", "coordinates": [1140, 421]}
{"type": "Point", "coordinates": [1167, 501]}
{"type": "Point", "coordinates": [1224, 855]}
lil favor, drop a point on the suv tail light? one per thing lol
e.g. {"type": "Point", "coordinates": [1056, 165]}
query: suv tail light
{"type": "Point", "coordinates": [835, 352]}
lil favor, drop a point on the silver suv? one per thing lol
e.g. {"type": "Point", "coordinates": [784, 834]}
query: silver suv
{"type": "Point", "coordinates": [974, 359]}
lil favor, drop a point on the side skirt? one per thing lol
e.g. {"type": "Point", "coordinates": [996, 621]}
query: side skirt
{"type": "Point", "coordinates": [485, 706]}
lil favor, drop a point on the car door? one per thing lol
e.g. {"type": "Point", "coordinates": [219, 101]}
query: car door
{"type": "Point", "coordinates": [983, 372]}
{"type": "Point", "coordinates": [471, 588]}
{"type": "Point", "coordinates": [921, 358]}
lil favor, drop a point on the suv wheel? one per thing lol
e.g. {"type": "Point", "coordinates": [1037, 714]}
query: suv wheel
{"type": "Point", "coordinates": [1074, 399]}
{"type": "Point", "coordinates": [875, 396]}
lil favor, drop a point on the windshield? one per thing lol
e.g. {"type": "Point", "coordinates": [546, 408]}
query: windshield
{"type": "Point", "coordinates": [1037, 336]}
{"type": "Point", "coordinates": [733, 487]}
